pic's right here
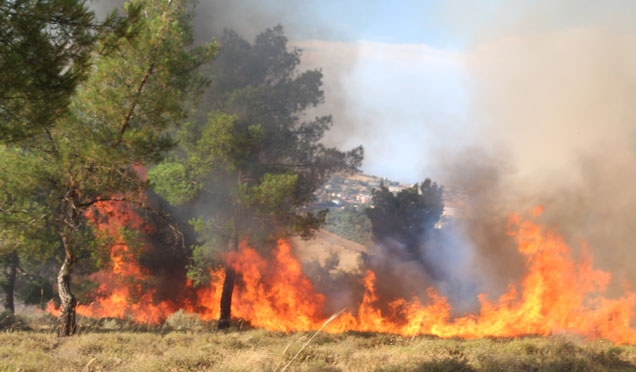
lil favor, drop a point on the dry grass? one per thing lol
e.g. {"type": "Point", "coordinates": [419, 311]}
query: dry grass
{"type": "Point", "coordinates": [102, 346]}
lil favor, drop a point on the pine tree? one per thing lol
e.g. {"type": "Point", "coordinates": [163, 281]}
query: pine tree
{"type": "Point", "coordinates": [251, 157]}
{"type": "Point", "coordinates": [119, 119]}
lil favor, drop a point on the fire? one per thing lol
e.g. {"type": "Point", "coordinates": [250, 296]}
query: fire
{"type": "Point", "coordinates": [557, 294]}
{"type": "Point", "coordinates": [125, 279]}
{"type": "Point", "coordinates": [272, 294]}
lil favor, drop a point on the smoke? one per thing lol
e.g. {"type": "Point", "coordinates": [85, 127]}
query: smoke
{"type": "Point", "coordinates": [395, 99]}
{"type": "Point", "coordinates": [103, 8]}
{"type": "Point", "coordinates": [536, 108]}
{"type": "Point", "coordinates": [552, 122]}
{"type": "Point", "coordinates": [552, 96]}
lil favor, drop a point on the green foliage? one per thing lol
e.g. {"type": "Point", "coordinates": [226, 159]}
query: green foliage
{"type": "Point", "coordinates": [37, 292]}
{"type": "Point", "coordinates": [46, 48]}
{"type": "Point", "coordinates": [273, 191]}
{"type": "Point", "coordinates": [172, 182]}
{"type": "Point", "coordinates": [203, 258]}
{"type": "Point", "coordinates": [12, 322]}
{"type": "Point", "coordinates": [141, 78]}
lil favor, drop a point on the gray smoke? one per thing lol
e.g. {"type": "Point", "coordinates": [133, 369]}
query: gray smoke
{"type": "Point", "coordinates": [554, 106]}
{"type": "Point", "coordinates": [550, 120]}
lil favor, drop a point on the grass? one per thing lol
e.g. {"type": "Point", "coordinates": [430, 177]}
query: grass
{"type": "Point", "coordinates": [110, 345]}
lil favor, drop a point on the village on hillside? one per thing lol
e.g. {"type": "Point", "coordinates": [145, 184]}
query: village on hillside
{"type": "Point", "coordinates": [342, 191]}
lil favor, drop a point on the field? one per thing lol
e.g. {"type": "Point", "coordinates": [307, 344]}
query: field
{"type": "Point", "coordinates": [185, 344]}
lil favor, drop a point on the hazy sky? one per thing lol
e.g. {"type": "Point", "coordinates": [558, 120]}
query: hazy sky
{"type": "Point", "coordinates": [417, 82]}
{"type": "Point", "coordinates": [537, 84]}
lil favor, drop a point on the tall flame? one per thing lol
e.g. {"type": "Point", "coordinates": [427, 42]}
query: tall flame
{"type": "Point", "coordinates": [557, 293]}
{"type": "Point", "coordinates": [122, 291]}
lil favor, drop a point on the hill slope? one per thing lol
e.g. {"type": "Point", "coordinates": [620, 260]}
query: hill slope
{"type": "Point", "coordinates": [324, 244]}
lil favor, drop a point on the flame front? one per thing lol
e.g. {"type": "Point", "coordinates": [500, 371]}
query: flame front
{"type": "Point", "coordinates": [556, 294]}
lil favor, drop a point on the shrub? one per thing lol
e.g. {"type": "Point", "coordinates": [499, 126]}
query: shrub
{"type": "Point", "coordinates": [183, 321]}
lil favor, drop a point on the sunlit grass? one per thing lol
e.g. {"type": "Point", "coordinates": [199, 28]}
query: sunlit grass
{"type": "Point", "coordinates": [111, 345]}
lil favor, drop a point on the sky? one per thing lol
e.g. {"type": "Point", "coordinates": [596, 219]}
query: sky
{"type": "Point", "coordinates": [418, 82]}
{"type": "Point", "coordinates": [534, 88]}
{"type": "Point", "coordinates": [515, 102]}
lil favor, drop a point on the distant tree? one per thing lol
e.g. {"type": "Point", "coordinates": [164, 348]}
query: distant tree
{"type": "Point", "coordinates": [407, 217]}
{"type": "Point", "coordinates": [251, 161]}
{"type": "Point", "coordinates": [45, 53]}
{"type": "Point", "coordinates": [138, 88]}
{"type": "Point", "coordinates": [25, 233]}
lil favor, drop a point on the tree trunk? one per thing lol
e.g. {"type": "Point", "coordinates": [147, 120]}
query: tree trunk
{"type": "Point", "coordinates": [67, 315]}
{"type": "Point", "coordinates": [228, 289]}
{"type": "Point", "coordinates": [9, 284]}
{"type": "Point", "coordinates": [226, 298]}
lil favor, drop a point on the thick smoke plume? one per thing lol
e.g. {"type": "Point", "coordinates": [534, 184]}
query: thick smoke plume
{"type": "Point", "coordinates": [555, 109]}
{"type": "Point", "coordinates": [550, 112]}
{"type": "Point", "coordinates": [551, 121]}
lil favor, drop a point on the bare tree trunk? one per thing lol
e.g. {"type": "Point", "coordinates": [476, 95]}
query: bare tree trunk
{"type": "Point", "coordinates": [9, 284]}
{"type": "Point", "coordinates": [72, 216]}
{"type": "Point", "coordinates": [228, 289]}
{"type": "Point", "coordinates": [68, 300]}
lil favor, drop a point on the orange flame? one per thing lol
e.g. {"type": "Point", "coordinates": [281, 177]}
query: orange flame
{"type": "Point", "coordinates": [275, 291]}
{"type": "Point", "coordinates": [557, 294]}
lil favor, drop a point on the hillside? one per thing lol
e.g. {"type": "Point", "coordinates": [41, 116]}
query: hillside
{"type": "Point", "coordinates": [324, 244]}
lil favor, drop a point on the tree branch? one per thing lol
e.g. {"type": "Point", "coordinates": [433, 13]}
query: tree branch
{"type": "Point", "coordinates": [100, 199]}
{"type": "Point", "coordinates": [126, 122]}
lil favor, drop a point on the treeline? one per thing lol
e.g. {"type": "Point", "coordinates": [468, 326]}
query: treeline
{"type": "Point", "coordinates": [211, 145]}
{"type": "Point", "coordinates": [89, 107]}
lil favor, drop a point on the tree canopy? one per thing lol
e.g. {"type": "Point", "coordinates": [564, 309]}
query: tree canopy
{"type": "Point", "coordinates": [252, 141]}
{"type": "Point", "coordinates": [407, 216]}
{"type": "Point", "coordinates": [117, 120]}
{"type": "Point", "coordinates": [45, 52]}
